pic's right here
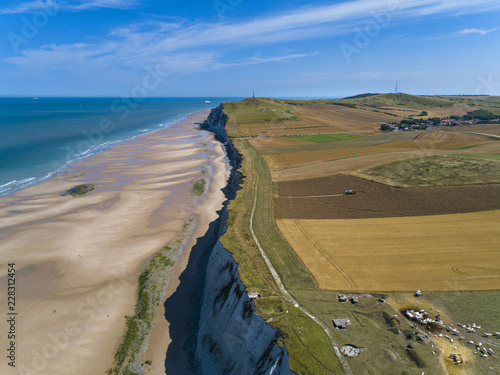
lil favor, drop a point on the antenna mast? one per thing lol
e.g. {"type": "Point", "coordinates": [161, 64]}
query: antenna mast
{"type": "Point", "coordinates": [396, 91]}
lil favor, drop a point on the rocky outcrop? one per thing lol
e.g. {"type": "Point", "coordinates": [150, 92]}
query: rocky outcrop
{"type": "Point", "coordinates": [231, 339]}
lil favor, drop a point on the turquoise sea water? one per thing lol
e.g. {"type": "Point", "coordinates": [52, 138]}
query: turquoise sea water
{"type": "Point", "coordinates": [40, 137]}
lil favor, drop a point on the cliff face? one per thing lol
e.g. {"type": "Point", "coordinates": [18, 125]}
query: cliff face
{"type": "Point", "coordinates": [231, 339]}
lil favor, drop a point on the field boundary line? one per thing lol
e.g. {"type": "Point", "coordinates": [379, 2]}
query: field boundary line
{"type": "Point", "coordinates": [282, 288]}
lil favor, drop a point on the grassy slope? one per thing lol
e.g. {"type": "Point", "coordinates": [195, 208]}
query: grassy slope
{"type": "Point", "coordinates": [255, 110]}
{"type": "Point", "coordinates": [480, 307]}
{"type": "Point", "coordinates": [399, 100]}
{"type": "Point", "coordinates": [481, 156]}
{"type": "Point", "coordinates": [436, 171]}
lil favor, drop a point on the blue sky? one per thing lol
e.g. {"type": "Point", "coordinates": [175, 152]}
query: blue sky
{"type": "Point", "coordinates": [235, 47]}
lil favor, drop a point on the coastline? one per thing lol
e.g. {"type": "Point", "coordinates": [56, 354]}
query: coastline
{"type": "Point", "coordinates": [78, 259]}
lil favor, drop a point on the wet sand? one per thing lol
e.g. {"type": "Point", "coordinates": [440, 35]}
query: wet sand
{"type": "Point", "coordinates": [78, 259]}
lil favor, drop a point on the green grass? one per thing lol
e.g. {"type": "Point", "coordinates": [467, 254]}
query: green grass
{"type": "Point", "coordinates": [290, 268]}
{"type": "Point", "coordinates": [320, 138]}
{"type": "Point", "coordinates": [309, 348]}
{"type": "Point", "coordinates": [80, 190]}
{"type": "Point", "coordinates": [238, 239]}
{"type": "Point", "coordinates": [399, 100]}
{"type": "Point", "coordinates": [481, 156]}
{"type": "Point", "coordinates": [374, 328]}
{"type": "Point", "coordinates": [436, 171]}
{"type": "Point", "coordinates": [490, 103]}
{"type": "Point", "coordinates": [365, 141]}
{"type": "Point", "coordinates": [199, 186]}
{"type": "Point", "coordinates": [480, 307]}
{"type": "Point", "coordinates": [151, 284]}
{"type": "Point", "coordinates": [259, 110]}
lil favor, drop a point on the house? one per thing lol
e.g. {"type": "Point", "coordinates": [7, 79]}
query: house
{"type": "Point", "coordinates": [341, 323]}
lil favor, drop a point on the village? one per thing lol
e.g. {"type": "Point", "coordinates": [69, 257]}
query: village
{"type": "Point", "coordinates": [413, 123]}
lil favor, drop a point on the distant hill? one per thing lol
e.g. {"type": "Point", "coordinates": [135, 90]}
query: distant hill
{"type": "Point", "coordinates": [398, 100]}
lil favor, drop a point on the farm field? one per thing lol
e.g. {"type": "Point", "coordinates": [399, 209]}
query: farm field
{"type": "Point", "coordinates": [493, 129]}
{"type": "Point", "coordinates": [314, 119]}
{"type": "Point", "coordinates": [429, 143]}
{"type": "Point", "coordinates": [320, 138]}
{"type": "Point", "coordinates": [452, 170]}
{"type": "Point", "coordinates": [425, 215]}
{"type": "Point", "coordinates": [432, 253]}
{"type": "Point", "coordinates": [324, 198]}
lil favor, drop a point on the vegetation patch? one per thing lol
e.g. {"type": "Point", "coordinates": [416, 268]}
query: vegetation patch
{"type": "Point", "coordinates": [80, 190]}
{"type": "Point", "coordinates": [478, 307]}
{"type": "Point", "coordinates": [399, 100]}
{"type": "Point", "coordinates": [151, 285]}
{"type": "Point", "coordinates": [255, 110]}
{"type": "Point", "coordinates": [199, 186]}
{"type": "Point", "coordinates": [495, 156]}
{"type": "Point", "coordinates": [309, 348]}
{"type": "Point", "coordinates": [377, 327]}
{"type": "Point", "coordinates": [319, 138]}
{"type": "Point", "coordinates": [436, 171]}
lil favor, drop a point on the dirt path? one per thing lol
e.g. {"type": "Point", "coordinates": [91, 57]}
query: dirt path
{"type": "Point", "coordinates": [282, 288]}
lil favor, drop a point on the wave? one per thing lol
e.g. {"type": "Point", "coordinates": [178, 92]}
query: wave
{"type": "Point", "coordinates": [60, 167]}
{"type": "Point", "coordinates": [16, 184]}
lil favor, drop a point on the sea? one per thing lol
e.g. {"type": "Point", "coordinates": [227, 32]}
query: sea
{"type": "Point", "coordinates": [41, 137]}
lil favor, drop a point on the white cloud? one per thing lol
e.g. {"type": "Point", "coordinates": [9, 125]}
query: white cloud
{"type": "Point", "coordinates": [158, 42]}
{"type": "Point", "coordinates": [476, 31]}
{"type": "Point", "coordinates": [74, 5]}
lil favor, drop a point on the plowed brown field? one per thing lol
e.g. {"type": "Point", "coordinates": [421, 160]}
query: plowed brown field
{"type": "Point", "coordinates": [324, 198]}
{"type": "Point", "coordinates": [445, 252]}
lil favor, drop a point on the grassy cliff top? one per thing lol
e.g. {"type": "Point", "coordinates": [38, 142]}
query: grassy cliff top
{"type": "Point", "coordinates": [258, 110]}
{"type": "Point", "coordinates": [266, 109]}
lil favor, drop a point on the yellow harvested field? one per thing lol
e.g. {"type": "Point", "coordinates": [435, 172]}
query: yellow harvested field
{"type": "Point", "coordinates": [277, 141]}
{"type": "Point", "coordinates": [456, 252]}
{"type": "Point", "coordinates": [493, 129]}
{"type": "Point", "coordinates": [451, 140]}
{"type": "Point", "coordinates": [487, 148]}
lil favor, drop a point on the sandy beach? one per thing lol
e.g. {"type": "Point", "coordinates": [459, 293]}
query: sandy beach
{"type": "Point", "coordinates": [77, 260]}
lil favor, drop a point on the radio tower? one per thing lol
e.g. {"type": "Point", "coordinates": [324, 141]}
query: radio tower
{"type": "Point", "coordinates": [396, 91]}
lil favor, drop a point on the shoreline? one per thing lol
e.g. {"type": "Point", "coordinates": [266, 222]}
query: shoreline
{"type": "Point", "coordinates": [160, 341]}
{"type": "Point", "coordinates": [78, 259]}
